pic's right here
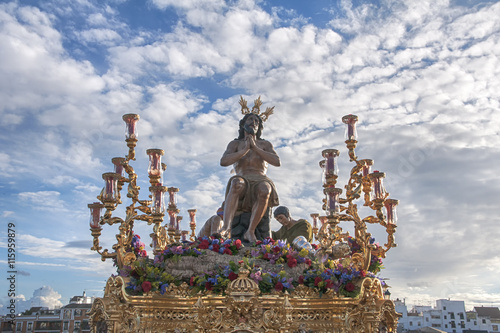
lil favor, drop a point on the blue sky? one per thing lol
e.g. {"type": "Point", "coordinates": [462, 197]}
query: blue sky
{"type": "Point", "coordinates": [423, 77]}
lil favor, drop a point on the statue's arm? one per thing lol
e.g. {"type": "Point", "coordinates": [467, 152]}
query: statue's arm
{"type": "Point", "coordinates": [232, 154]}
{"type": "Point", "coordinates": [268, 153]}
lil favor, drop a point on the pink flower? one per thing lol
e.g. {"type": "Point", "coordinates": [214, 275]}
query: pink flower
{"type": "Point", "coordinates": [146, 286]}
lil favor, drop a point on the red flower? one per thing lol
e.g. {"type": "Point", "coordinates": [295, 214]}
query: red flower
{"type": "Point", "coordinates": [208, 286]}
{"type": "Point", "coordinates": [276, 249]}
{"type": "Point", "coordinates": [266, 255]}
{"type": "Point", "coordinates": [329, 283]}
{"type": "Point", "coordinates": [350, 287]}
{"type": "Point", "coordinates": [292, 262]}
{"type": "Point", "coordinates": [238, 244]}
{"type": "Point", "coordinates": [240, 262]}
{"type": "Point", "coordinates": [227, 246]}
{"type": "Point", "coordinates": [308, 262]}
{"type": "Point", "coordinates": [317, 280]}
{"type": "Point", "coordinates": [191, 281]}
{"type": "Point", "coordinates": [204, 244]}
{"type": "Point", "coordinates": [315, 246]}
{"type": "Point", "coordinates": [227, 251]}
{"type": "Point", "coordinates": [232, 276]}
{"type": "Point", "coordinates": [301, 279]}
{"type": "Point", "coordinates": [363, 273]}
{"type": "Point", "coordinates": [216, 247]}
{"type": "Point", "coordinates": [258, 242]}
{"type": "Point", "coordinates": [279, 286]}
{"type": "Point", "coordinates": [146, 286]}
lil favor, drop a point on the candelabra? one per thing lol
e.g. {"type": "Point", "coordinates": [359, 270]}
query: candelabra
{"type": "Point", "coordinates": [337, 208]}
{"type": "Point", "coordinates": [151, 211]}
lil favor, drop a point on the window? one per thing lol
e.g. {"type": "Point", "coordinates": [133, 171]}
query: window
{"type": "Point", "coordinates": [444, 307]}
{"type": "Point", "coordinates": [30, 326]}
{"type": "Point", "coordinates": [78, 312]}
{"type": "Point", "coordinates": [19, 327]}
{"type": "Point", "coordinates": [66, 325]}
{"type": "Point", "coordinates": [495, 328]}
{"type": "Point", "coordinates": [484, 321]}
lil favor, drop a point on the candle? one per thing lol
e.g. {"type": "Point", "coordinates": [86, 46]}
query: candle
{"type": "Point", "coordinates": [331, 167]}
{"type": "Point", "coordinates": [155, 166]}
{"type": "Point", "coordinates": [332, 202]}
{"type": "Point", "coordinates": [350, 120]}
{"type": "Point", "coordinates": [378, 190]}
{"type": "Point", "coordinates": [117, 162]}
{"type": "Point", "coordinates": [390, 206]}
{"type": "Point", "coordinates": [172, 214]}
{"type": "Point", "coordinates": [130, 125]}
{"type": "Point", "coordinates": [367, 164]}
{"type": "Point", "coordinates": [158, 206]}
{"type": "Point", "coordinates": [95, 214]}
{"type": "Point", "coordinates": [110, 186]}
{"type": "Point", "coordinates": [315, 220]}
{"type": "Point", "coordinates": [172, 196]}
{"type": "Point", "coordinates": [184, 234]}
{"type": "Point", "coordinates": [178, 223]}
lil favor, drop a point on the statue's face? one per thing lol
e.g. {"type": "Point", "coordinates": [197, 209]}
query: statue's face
{"type": "Point", "coordinates": [251, 125]}
{"type": "Point", "coordinates": [281, 218]}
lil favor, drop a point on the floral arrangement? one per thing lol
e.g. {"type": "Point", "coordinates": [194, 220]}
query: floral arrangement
{"type": "Point", "coordinates": [340, 276]}
{"type": "Point", "coordinates": [280, 252]}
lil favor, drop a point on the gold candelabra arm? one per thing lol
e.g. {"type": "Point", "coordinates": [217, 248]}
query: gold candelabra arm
{"type": "Point", "coordinates": [351, 145]}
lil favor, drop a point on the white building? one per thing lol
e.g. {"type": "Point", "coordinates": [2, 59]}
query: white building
{"type": "Point", "coordinates": [448, 316]}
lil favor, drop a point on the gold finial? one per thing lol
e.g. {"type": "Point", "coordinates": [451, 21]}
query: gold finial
{"type": "Point", "coordinates": [256, 109]}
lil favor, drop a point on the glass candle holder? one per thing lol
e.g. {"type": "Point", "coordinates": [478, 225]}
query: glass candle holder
{"type": "Point", "coordinates": [130, 120]}
{"type": "Point", "coordinates": [390, 207]}
{"type": "Point", "coordinates": [172, 215]}
{"type": "Point", "coordinates": [192, 216]}
{"type": "Point", "coordinates": [178, 220]}
{"type": "Point", "coordinates": [95, 214]}
{"type": "Point", "coordinates": [158, 200]}
{"type": "Point", "coordinates": [331, 167]}
{"type": "Point", "coordinates": [367, 165]}
{"type": "Point", "coordinates": [172, 197]}
{"type": "Point", "coordinates": [332, 200]}
{"type": "Point", "coordinates": [117, 162]}
{"type": "Point", "coordinates": [350, 133]}
{"type": "Point", "coordinates": [184, 235]}
{"type": "Point", "coordinates": [155, 167]}
{"type": "Point", "coordinates": [322, 219]}
{"type": "Point", "coordinates": [378, 190]}
{"type": "Point", "coordinates": [110, 186]}
{"type": "Point", "coordinates": [315, 219]}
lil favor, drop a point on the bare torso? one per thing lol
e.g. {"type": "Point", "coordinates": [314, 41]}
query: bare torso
{"type": "Point", "coordinates": [251, 163]}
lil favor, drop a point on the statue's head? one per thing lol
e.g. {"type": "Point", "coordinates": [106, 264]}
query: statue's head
{"type": "Point", "coordinates": [244, 127]}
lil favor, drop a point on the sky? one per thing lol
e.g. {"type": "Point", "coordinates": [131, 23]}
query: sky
{"type": "Point", "coordinates": [422, 76]}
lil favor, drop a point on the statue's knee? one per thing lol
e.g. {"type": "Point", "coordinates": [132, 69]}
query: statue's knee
{"type": "Point", "coordinates": [238, 184]}
{"type": "Point", "coordinates": [263, 191]}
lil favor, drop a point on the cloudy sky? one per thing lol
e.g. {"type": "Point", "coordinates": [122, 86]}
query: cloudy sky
{"type": "Point", "coordinates": [423, 77]}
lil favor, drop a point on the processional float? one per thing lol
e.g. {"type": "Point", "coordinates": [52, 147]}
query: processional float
{"type": "Point", "coordinates": [218, 285]}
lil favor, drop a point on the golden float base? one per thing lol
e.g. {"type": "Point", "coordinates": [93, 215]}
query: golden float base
{"type": "Point", "coordinates": [242, 310]}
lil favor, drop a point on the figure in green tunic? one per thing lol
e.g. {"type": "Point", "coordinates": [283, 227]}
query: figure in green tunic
{"type": "Point", "coordinates": [291, 228]}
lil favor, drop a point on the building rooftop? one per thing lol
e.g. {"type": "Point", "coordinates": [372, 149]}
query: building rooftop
{"type": "Point", "coordinates": [486, 311]}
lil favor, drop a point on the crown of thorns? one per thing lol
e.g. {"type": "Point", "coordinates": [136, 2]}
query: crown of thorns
{"type": "Point", "coordinates": [256, 109]}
